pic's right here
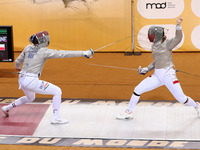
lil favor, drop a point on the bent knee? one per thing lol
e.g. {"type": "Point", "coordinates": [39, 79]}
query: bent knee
{"type": "Point", "coordinates": [30, 98]}
{"type": "Point", "coordinates": [58, 91]}
{"type": "Point", "coordinates": [182, 99]}
{"type": "Point", "coordinates": [138, 90]}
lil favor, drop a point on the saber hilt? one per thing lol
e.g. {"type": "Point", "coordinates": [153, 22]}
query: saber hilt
{"type": "Point", "coordinates": [92, 54]}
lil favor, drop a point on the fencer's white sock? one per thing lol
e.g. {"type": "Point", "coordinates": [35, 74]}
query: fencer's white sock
{"type": "Point", "coordinates": [133, 101]}
{"type": "Point", "coordinates": [20, 101]}
{"type": "Point", "coordinates": [56, 105]}
{"type": "Point", "coordinates": [191, 102]}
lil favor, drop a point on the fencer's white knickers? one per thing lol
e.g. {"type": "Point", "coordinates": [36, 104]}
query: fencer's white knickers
{"type": "Point", "coordinates": [30, 84]}
{"type": "Point", "coordinates": [165, 76]}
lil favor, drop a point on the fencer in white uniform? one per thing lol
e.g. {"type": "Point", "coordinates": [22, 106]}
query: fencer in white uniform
{"type": "Point", "coordinates": [164, 73]}
{"type": "Point", "coordinates": [33, 58]}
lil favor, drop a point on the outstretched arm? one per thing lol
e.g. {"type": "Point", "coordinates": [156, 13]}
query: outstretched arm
{"type": "Point", "coordinates": [49, 53]}
{"type": "Point", "coordinates": [178, 35]}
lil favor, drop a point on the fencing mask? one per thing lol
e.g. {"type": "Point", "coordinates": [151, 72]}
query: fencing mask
{"type": "Point", "coordinates": [155, 33]}
{"type": "Point", "coordinates": [40, 39]}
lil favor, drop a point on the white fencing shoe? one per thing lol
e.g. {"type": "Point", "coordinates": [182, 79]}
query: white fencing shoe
{"type": "Point", "coordinates": [5, 111]}
{"type": "Point", "coordinates": [125, 115]}
{"type": "Point", "coordinates": [198, 109]}
{"type": "Point", "coordinates": [59, 121]}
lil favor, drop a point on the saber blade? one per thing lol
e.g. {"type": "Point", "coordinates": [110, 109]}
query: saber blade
{"type": "Point", "coordinates": [111, 43]}
{"type": "Point", "coordinates": [113, 67]}
{"type": "Point", "coordinates": [137, 69]}
{"type": "Point", "coordinates": [187, 73]}
{"type": "Point", "coordinates": [9, 72]}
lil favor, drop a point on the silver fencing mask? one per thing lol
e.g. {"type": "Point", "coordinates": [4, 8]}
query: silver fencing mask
{"type": "Point", "coordinates": [40, 39]}
{"type": "Point", "coordinates": [155, 33]}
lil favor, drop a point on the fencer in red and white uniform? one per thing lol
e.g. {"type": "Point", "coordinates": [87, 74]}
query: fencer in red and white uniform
{"type": "Point", "coordinates": [164, 73]}
{"type": "Point", "coordinates": [33, 58]}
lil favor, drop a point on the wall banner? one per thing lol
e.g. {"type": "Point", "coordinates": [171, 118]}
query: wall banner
{"type": "Point", "coordinates": [72, 24]}
{"type": "Point", "coordinates": [164, 13]}
{"type": "Point", "coordinates": [84, 24]}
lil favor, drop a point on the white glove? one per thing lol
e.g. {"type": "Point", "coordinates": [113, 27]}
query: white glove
{"type": "Point", "coordinates": [142, 71]}
{"type": "Point", "coordinates": [88, 53]}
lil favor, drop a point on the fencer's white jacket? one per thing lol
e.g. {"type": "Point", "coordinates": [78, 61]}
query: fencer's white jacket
{"type": "Point", "coordinates": [33, 58]}
{"type": "Point", "coordinates": [162, 52]}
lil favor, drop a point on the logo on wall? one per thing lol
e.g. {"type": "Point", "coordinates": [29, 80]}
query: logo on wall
{"type": "Point", "coordinates": [169, 32]}
{"type": "Point", "coordinates": [160, 9]}
{"type": "Point", "coordinates": [156, 5]}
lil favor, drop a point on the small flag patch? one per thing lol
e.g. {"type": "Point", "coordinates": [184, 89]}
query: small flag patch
{"type": "Point", "coordinates": [46, 86]}
{"type": "Point", "coordinates": [55, 110]}
{"type": "Point", "coordinates": [2, 47]}
{"type": "Point", "coordinates": [13, 104]}
{"type": "Point", "coordinates": [174, 82]}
